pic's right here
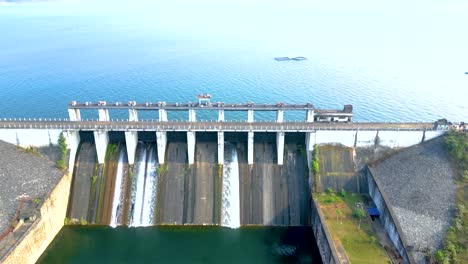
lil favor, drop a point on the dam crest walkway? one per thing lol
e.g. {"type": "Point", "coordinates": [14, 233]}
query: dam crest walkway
{"type": "Point", "coordinates": [235, 126]}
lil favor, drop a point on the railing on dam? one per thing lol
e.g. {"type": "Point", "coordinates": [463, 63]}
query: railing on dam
{"type": "Point", "coordinates": [174, 125]}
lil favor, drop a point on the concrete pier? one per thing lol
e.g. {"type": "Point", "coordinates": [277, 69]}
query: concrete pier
{"type": "Point", "coordinates": [162, 115]}
{"type": "Point", "coordinates": [103, 114]}
{"type": "Point", "coordinates": [74, 114]}
{"type": "Point", "coordinates": [132, 115]}
{"type": "Point", "coordinates": [280, 147]}
{"type": "Point", "coordinates": [310, 139]}
{"type": "Point", "coordinates": [161, 142]}
{"type": "Point", "coordinates": [310, 115]}
{"type": "Point", "coordinates": [250, 148]}
{"type": "Point", "coordinates": [191, 147]}
{"type": "Point", "coordinates": [192, 115]}
{"type": "Point", "coordinates": [221, 115]}
{"type": "Point", "coordinates": [131, 140]}
{"type": "Point", "coordinates": [250, 115]}
{"type": "Point", "coordinates": [73, 139]}
{"type": "Point", "coordinates": [220, 147]}
{"type": "Point", "coordinates": [279, 116]}
{"type": "Point", "coordinates": [101, 139]}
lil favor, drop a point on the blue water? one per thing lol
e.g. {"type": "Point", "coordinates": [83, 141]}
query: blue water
{"type": "Point", "coordinates": [394, 61]}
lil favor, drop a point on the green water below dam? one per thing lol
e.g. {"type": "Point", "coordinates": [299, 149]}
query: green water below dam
{"type": "Point", "coordinates": [182, 244]}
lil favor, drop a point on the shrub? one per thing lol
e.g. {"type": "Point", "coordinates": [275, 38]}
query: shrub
{"type": "Point", "coordinates": [63, 152]}
{"type": "Point", "coordinates": [342, 193]}
{"type": "Point", "coordinates": [61, 164]}
{"type": "Point", "coordinates": [329, 191]}
{"type": "Point", "coordinates": [330, 199]}
{"type": "Point", "coordinates": [37, 201]}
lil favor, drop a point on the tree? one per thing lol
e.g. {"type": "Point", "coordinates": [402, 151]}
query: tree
{"type": "Point", "coordinates": [359, 213]}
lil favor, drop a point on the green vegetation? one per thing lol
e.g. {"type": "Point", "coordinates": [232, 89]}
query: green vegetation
{"type": "Point", "coordinates": [111, 148]}
{"type": "Point", "coordinates": [37, 201]}
{"type": "Point", "coordinates": [455, 249]}
{"type": "Point", "coordinates": [359, 213]}
{"type": "Point", "coordinates": [66, 221]}
{"type": "Point", "coordinates": [162, 169]}
{"type": "Point", "coordinates": [316, 167]}
{"type": "Point", "coordinates": [358, 240]}
{"type": "Point", "coordinates": [32, 150]}
{"type": "Point", "coordinates": [63, 152]}
{"type": "Point", "coordinates": [83, 221]}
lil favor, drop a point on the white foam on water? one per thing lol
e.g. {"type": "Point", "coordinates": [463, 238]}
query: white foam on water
{"type": "Point", "coordinates": [149, 196]}
{"type": "Point", "coordinates": [139, 190]}
{"type": "Point", "coordinates": [231, 202]}
{"type": "Point", "coordinates": [118, 194]}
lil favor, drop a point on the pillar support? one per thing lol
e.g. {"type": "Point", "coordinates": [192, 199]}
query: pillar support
{"type": "Point", "coordinates": [221, 115]}
{"type": "Point", "coordinates": [101, 139]}
{"type": "Point", "coordinates": [279, 116]}
{"type": "Point", "coordinates": [73, 138]}
{"type": "Point", "coordinates": [73, 141]}
{"type": "Point", "coordinates": [250, 147]}
{"type": "Point", "coordinates": [280, 147]}
{"type": "Point", "coordinates": [192, 115]}
{"type": "Point", "coordinates": [250, 115]}
{"type": "Point", "coordinates": [310, 115]}
{"type": "Point", "coordinates": [310, 141]}
{"type": "Point", "coordinates": [161, 142]}
{"type": "Point", "coordinates": [131, 141]}
{"type": "Point", "coordinates": [103, 114]}
{"type": "Point", "coordinates": [74, 114]}
{"type": "Point", "coordinates": [191, 147]}
{"type": "Point", "coordinates": [132, 115]}
{"type": "Point", "coordinates": [220, 147]}
{"type": "Point", "coordinates": [162, 115]}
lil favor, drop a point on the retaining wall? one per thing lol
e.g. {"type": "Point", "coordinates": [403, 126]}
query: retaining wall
{"type": "Point", "coordinates": [322, 236]}
{"type": "Point", "coordinates": [387, 216]}
{"type": "Point", "coordinates": [30, 137]}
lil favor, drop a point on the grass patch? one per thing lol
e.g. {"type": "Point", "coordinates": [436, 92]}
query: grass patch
{"type": "Point", "coordinates": [359, 242]}
{"type": "Point", "coordinates": [455, 249]}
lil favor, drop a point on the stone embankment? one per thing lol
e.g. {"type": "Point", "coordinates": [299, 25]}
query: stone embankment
{"type": "Point", "coordinates": [28, 176]}
{"type": "Point", "coordinates": [419, 183]}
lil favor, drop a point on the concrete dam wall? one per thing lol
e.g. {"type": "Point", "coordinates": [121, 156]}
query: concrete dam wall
{"type": "Point", "coordinates": [204, 193]}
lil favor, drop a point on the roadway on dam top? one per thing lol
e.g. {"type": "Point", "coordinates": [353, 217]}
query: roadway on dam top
{"type": "Point", "coordinates": [151, 125]}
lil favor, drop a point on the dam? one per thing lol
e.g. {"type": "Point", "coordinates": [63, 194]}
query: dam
{"type": "Point", "coordinates": [146, 172]}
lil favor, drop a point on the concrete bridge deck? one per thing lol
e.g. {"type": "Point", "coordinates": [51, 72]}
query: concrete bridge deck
{"type": "Point", "coordinates": [239, 126]}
